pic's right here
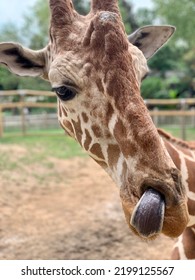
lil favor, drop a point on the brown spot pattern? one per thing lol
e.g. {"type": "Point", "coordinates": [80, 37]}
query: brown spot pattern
{"type": "Point", "coordinates": [85, 104]}
{"type": "Point", "coordinates": [120, 131]}
{"type": "Point", "coordinates": [175, 254]}
{"type": "Point", "coordinates": [59, 111]}
{"type": "Point", "coordinates": [113, 155]}
{"type": "Point", "coordinates": [68, 126]}
{"type": "Point", "coordinates": [97, 131]}
{"type": "Point", "coordinates": [128, 148]}
{"type": "Point", "coordinates": [100, 85]}
{"type": "Point", "coordinates": [85, 117]}
{"type": "Point", "coordinates": [63, 111]}
{"type": "Point", "coordinates": [101, 163]}
{"type": "Point", "coordinates": [191, 174]}
{"type": "Point", "coordinates": [173, 153]}
{"type": "Point", "coordinates": [191, 207]}
{"type": "Point", "coordinates": [78, 131]}
{"type": "Point", "coordinates": [179, 142]}
{"type": "Point", "coordinates": [189, 243]}
{"type": "Point", "coordinates": [97, 150]}
{"type": "Point", "coordinates": [109, 113]}
{"type": "Point", "coordinates": [88, 140]}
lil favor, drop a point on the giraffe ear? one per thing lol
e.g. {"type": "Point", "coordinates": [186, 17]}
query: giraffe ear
{"type": "Point", "coordinates": [149, 39]}
{"type": "Point", "coordinates": [22, 61]}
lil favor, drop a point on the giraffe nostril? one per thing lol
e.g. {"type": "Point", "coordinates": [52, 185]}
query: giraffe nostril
{"type": "Point", "coordinates": [148, 216]}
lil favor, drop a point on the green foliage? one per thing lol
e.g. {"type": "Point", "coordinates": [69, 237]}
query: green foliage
{"type": "Point", "coordinates": [42, 147]}
{"type": "Point", "coordinates": [8, 81]}
{"type": "Point", "coordinates": [153, 87]}
{"type": "Point", "coordinates": [127, 16]}
{"type": "Point", "coordinates": [36, 24]}
{"type": "Point", "coordinates": [145, 17]}
{"type": "Point", "coordinates": [179, 14]}
{"type": "Point", "coordinates": [10, 32]}
{"type": "Point", "coordinates": [33, 83]}
{"type": "Point", "coordinates": [81, 7]}
{"type": "Point", "coordinates": [177, 58]}
{"type": "Point", "coordinates": [189, 59]}
{"type": "Point", "coordinates": [168, 58]}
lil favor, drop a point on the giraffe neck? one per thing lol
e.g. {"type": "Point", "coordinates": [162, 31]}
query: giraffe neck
{"type": "Point", "coordinates": [112, 144]}
{"type": "Point", "coordinates": [183, 155]}
{"type": "Point", "coordinates": [110, 157]}
{"type": "Point", "coordinates": [176, 141]}
{"type": "Point", "coordinates": [184, 248]}
{"type": "Point", "coordinates": [106, 153]}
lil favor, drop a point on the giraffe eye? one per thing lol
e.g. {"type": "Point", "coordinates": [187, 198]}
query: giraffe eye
{"type": "Point", "coordinates": [65, 93]}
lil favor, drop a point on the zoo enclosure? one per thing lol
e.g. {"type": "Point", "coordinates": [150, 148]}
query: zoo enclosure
{"type": "Point", "coordinates": [27, 111]}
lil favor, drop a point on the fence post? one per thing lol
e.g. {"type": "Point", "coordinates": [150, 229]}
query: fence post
{"type": "Point", "coordinates": [23, 116]}
{"type": "Point", "coordinates": [45, 118]}
{"type": "Point", "coordinates": [183, 119]}
{"type": "Point", "coordinates": [1, 122]}
{"type": "Point", "coordinates": [156, 117]}
{"type": "Point", "coordinates": [193, 117]}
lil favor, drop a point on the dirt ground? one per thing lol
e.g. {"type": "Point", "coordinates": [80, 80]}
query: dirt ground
{"type": "Point", "coordinates": [74, 214]}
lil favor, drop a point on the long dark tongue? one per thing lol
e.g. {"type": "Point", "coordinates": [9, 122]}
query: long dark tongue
{"type": "Point", "coordinates": [148, 215]}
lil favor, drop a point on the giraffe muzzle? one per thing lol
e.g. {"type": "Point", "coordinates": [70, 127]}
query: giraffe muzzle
{"type": "Point", "coordinates": [148, 215]}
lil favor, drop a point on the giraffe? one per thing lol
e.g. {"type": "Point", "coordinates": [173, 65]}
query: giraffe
{"type": "Point", "coordinates": [183, 155]}
{"type": "Point", "coordinates": [95, 70]}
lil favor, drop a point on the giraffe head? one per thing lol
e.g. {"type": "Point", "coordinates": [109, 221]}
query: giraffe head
{"type": "Point", "coordinates": [95, 70]}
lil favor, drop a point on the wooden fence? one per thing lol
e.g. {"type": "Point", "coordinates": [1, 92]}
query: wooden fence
{"type": "Point", "coordinates": [23, 103]}
{"type": "Point", "coordinates": [28, 99]}
{"type": "Point", "coordinates": [184, 108]}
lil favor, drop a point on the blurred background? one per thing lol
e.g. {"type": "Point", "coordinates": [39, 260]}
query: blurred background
{"type": "Point", "coordinates": [54, 200]}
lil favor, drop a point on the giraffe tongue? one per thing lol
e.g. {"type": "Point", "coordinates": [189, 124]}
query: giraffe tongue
{"type": "Point", "coordinates": [148, 215]}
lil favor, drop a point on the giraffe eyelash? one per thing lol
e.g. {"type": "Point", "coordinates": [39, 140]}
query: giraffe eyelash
{"type": "Point", "coordinates": [65, 93]}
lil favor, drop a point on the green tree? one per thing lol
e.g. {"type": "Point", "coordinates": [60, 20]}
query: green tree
{"type": "Point", "coordinates": [128, 16]}
{"type": "Point", "coordinates": [36, 24]}
{"type": "Point", "coordinates": [81, 6]}
{"type": "Point", "coordinates": [153, 87]}
{"type": "Point", "coordinates": [180, 14]}
{"type": "Point", "coordinates": [10, 32]}
{"type": "Point", "coordinates": [8, 81]}
{"type": "Point", "coordinates": [168, 58]}
{"type": "Point", "coordinates": [145, 17]}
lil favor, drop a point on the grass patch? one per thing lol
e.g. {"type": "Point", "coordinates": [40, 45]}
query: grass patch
{"type": "Point", "coordinates": [40, 147]}
{"type": "Point", "coordinates": [44, 146]}
{"type": "Point", "coordinates": [7, 163]}
{"type": "Point", "coordinates": [176, 132]}
{"type": "Point", "coordinates": [30, 159]}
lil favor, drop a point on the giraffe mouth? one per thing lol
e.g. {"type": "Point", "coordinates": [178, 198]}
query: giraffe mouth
{"type": "Point", "coordinates": [148, 215]}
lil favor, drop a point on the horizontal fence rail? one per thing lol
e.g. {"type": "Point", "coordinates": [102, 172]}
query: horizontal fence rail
{"type": "Point", "coordinates": [179, 101]}
{"type": "Point", "coordinates": [16, 108]}
{"type": "Point", "coordinates": [26, 100]}
{"type": "Point", "coordinates": [21, 105]}
{"type": "Point", "coordinates": [26, 92]}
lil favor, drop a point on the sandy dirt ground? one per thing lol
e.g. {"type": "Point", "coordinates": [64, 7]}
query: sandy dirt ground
{"type": "Point", "coordinates": [68, 210]}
